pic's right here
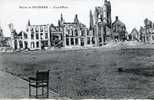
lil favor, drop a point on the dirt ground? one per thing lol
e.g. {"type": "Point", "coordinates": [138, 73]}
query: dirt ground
{"type": "Point", "coordinates": [89, 73]}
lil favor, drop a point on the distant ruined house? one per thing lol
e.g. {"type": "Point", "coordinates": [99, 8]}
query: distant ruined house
{"type": "Point", "coordinates": [142, 34]}
{"type": "Point", "coordinates": [147, 32]}
{"type": "Point", "coordinates": [119, 30]}
{"type": "Point", "coordinates": [134, 35]}
{"type": "Point", "coordinates": [4, 41]}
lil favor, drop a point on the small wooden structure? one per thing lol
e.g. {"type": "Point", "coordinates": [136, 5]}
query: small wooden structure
{"type": "Point", "coordinates": [40, 82]}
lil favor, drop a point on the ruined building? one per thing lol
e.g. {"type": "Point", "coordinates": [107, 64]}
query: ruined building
{"type": "Point", "coordinates": [118, 30]}
{"type": "Point", "coordinates": [38, 36]}
{"type": "Point", "coordinates": [147, 32]}
{"type": "Point", "coordinates": [4, 41]}
{"type": "Point", "coordinates": [35, 37]}
{"type": "Point", "coordinates": [134, 35]}
{"type": "Point", "coordinates": [74, 33]}
{"type": "Point", "coordinates": [70, 34]}
{"type": "Point", "coordinates": [56, 33]}
{"type": "Point", "coordinates": [100, 24]}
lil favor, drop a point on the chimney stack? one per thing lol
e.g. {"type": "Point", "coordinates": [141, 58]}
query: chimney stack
{"type": "Point", "coordinates": [117, 18]}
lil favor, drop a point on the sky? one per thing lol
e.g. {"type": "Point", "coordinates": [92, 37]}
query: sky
{"type": "Point", "coordinates": [130, 12]}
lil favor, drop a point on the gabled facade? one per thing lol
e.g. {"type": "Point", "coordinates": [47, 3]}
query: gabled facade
{"type": "Point", "coordinates": [75, 34]}
{"type": "Point", "coordinates": [119, 30]}
{"type": "Point", "coordinates": [135, 35]}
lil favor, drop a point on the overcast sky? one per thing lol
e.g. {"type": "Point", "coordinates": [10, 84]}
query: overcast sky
{"type": "Point", "coordinates": [131, 12]}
